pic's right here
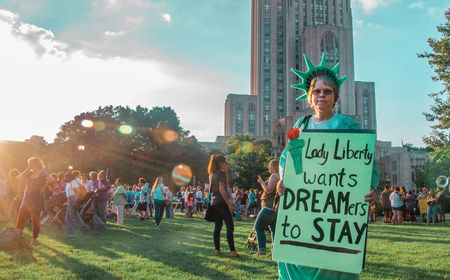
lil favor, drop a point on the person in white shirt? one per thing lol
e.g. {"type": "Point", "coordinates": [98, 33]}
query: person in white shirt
{"type": "Point", "coordinates": [199, 202]}
{"type": "Point", "coordinates": [90, 183]}
{"type": "Point", "coordinates": [169, 205]}
{"type": "Point", "coordinates": [74, 193]}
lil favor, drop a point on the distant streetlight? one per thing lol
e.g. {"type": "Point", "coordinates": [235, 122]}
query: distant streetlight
{"type": "Point", "coordinates": [81, 148]}
{"type": "Point", "coordinates": [70, 167]}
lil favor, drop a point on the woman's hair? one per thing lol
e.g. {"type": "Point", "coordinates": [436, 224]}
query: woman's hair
{"type": "Point", "coordinates": [155, 184]}
{"type": "Point", "coordinates": [397, 189]}
{"type": "Point", "coordinates": [275, 163]}
{"type": "Point", "coordinates": [214, 163]}
{"type": "Point", "coordinates": [142, 180]}
{"type": "Point", "coordinates": [35, 163]}
{"type": "Point", "coordinates": [328, 82]}
{"type": "Point", "coordinates": [118, 182]}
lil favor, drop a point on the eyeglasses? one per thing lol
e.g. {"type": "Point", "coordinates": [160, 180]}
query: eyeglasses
{"type": "Point", "coordinates": [326, 92]}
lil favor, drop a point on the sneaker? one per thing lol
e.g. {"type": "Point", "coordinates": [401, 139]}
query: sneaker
{"type": "Point", "coordinates": [260, 253]}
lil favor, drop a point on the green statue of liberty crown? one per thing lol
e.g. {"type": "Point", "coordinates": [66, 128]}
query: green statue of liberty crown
{"type": "Point", "coordinates": [315, 71]}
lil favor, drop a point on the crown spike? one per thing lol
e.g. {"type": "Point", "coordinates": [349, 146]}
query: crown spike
{"type": "Point", "coordinates": [309, 64]}
{"type": "Point", "coordinates": [323, 61]}
{"type": "Point", "coordinates": [299, 73]}
{"type": "Point", "coordinates": [342, 79]}
{"type": "Point", "coordinates": [301, 97]}
{"type": "Point", "coordinates": [335, 69]}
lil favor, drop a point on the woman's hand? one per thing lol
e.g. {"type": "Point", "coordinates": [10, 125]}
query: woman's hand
{"type": "Point", "coordinates": [280, 188]}
{"type": "Point", "coordinates": [371, 196]}
{"type": "Point", "coordinates": [260, 180]}
{"type": "Point", "coordinates": [230, 207]}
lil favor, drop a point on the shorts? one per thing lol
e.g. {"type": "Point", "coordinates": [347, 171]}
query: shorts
{"type": "Point", "coordinates": [397, 208]}
{"type": "Point", "coordinates": [142, 206]}
{"type": "Point", "coordinates": [199, 207]}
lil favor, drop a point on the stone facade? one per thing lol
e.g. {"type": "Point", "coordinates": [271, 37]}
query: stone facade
{"type": "Point", "coordinates": [284, 30]}
{"type": "Point", "coordinates": [397, 165]}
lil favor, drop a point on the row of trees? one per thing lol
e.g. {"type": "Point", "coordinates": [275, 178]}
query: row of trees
{"type": "Point", "coordinates": [152, 143]}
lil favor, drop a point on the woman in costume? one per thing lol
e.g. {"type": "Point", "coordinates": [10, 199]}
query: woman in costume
{"type": "Point", "coordinates": [321, 86]}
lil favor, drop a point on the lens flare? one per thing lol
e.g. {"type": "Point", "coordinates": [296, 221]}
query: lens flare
{"type": "Point", "coordinates": [125, 129]}
{"type": "Point", "coordinates": [87, 123]}
{"type": "Point", "coordinates": [181, 174]}
{"type": "Point", "coordinates": [99, 126]}
{"type": "Point", "coordinates": [170, 136]}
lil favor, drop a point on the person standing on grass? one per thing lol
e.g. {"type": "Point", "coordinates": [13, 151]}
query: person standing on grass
{"type": "Point", "coordinates": [222, 206]}
{"type": "Point", "coordinates": [322, 92]}
{"type": "Point", "coordinates": [144, 198]}
{"type": "Point", "coordinates": [137, 198]}
{"type": "Point", "coordinates": [431, 209]}
{"type": "Point", "coordinates": [410, 202]}
{"type": "Point", "coordinates": [169, 204]}
{"type": "Point", "coordinates": [251, 202]}
{"type": "Point", "coordinates": [130, 201]}
{"type": "Point", "coordinates": [396, 204]}
{"type": "Point", "coordinates": [74, 193]}
{"type": "Point", "coordinates": [159, 196]}
{"type": "Point", "coordinates": [387, 209]}
{"type": "Point", "coordinates": [35, 178]}
{"type": "Point", "coordinates": [120, 199]}
{"type": "Point", "coordinates": [237, 202]}
{"type": "Point", "coordinates": [267, 217]}
{"type": "Point", "coordinates": [102, 186]}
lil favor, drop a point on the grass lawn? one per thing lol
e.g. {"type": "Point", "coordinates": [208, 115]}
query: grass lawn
{"type": "Point", "coordinates": [182, 249]}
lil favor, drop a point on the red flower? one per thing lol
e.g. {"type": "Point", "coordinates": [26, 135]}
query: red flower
{"type": "Point", "coordinates": [293, 133]}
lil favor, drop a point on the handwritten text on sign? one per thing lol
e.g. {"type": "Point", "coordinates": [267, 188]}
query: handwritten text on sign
{"type": "Point", "coordinates": [322, 219]}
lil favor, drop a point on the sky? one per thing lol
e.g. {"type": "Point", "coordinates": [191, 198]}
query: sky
{"type": "Point", "coordinates": [59, 58]}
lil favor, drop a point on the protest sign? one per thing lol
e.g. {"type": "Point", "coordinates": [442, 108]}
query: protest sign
{"type": "Point", "coordinates": [322, 217]}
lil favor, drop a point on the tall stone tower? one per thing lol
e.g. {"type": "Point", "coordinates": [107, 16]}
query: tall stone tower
{"type": "Point", "coordinates": [284, 30]}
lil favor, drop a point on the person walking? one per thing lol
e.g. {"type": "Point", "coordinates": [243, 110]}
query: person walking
{"type": "Point", "coordinates": [222, 206]}
{"type": "Point", "coordinates": [102, 186]}
{"type": "Point", "coordinates": [159, 199]}
{"type": "Point", "coordinates": [35, 178]}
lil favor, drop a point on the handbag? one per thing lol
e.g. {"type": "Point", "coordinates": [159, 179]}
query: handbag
{"type": "Point", "coordinates": [209, 214]}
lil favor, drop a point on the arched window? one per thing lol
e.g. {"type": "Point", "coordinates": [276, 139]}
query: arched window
{"type": "Point", "coordinates": [330, 46]}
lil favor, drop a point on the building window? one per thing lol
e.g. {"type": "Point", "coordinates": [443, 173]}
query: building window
{"type": "Point", "coordinates": [329, 45]}
{"type": "Point", "coordinates": [239, 119]}
{"type": "Point", "coordinates": [319, 12]}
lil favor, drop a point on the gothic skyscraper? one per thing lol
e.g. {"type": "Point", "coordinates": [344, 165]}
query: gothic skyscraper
{"type": "Point", "coordinates": [282, 31]}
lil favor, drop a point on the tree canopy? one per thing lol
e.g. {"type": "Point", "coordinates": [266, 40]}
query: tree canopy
{"type": "Point", "coordinates": [248, 158]}
{"type": "Point", "coordinates": [129, 142]}
{"type": "Point", "coordinates": [439, 59]}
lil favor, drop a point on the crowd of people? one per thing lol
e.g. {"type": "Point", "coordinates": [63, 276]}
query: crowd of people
{"type": "Point", "coordinates": [399, 205]}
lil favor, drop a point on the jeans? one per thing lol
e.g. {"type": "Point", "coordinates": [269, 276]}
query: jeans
{"type": "Point", "coordinates": [72, 217]}
{"type": "Point", "coordinates": [221, 214]}
{"type": "Point", "coordinates": [266, 218]}
{"type": "Point", "coordinates": [169, 211]}
{"type": "Point", "coordinates": [159, 210]}
{"type": "Point", "coordinates": [237, 208]}
{"type": "Point", "coordinates": [100, 208]}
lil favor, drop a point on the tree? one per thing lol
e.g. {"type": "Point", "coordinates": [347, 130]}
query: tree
{"type": "Point", "coordinates": [151, 146]}
{"type": "Point", "coordinates": [439, 59]}
{"type": "Point", "coordinates": [248, 158]}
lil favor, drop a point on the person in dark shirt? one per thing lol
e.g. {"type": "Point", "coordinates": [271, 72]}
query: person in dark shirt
{"type": "Point", "coordinates": [221, 204]}
{"type": "Point", "coordinates": [34, 179]}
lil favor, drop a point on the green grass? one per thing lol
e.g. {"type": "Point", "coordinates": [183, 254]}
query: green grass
{"type": "Point", "coordinates": [182, 249]}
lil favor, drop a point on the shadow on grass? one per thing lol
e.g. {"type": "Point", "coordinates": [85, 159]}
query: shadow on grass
{"type": "Point", "coordinates": [81, 270]}
{"type": "Point", "coordinates": [396, 271]}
